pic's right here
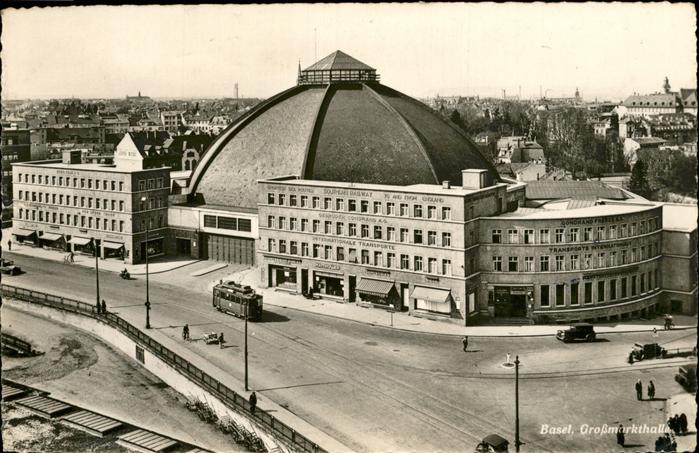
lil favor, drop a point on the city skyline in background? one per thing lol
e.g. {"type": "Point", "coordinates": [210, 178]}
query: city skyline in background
{"type": "Point", "coordinates": [422, 50]}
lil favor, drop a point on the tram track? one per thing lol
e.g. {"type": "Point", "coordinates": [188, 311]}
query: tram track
{"type": "Point", "coordinates": [380, 384]}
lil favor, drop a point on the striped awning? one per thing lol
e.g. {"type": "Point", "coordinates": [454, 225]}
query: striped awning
{"type": "Point", "coordinates": [112, 245]}
{"type": "Point", "coordinates": [374, 287]}
{"type": "Point", "coordinates": [51, 237]}
{"type": "Point", "coordinates": [439, 295]}
{"type": "Point", "coordinates": [23, 232]}
{"type": "Point", "coordinates": [77, 240]}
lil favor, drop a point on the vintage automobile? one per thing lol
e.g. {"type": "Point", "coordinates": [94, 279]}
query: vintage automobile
{"type": "Point", "coordinates": [648, 351]}
{"type": "Point", "coordinates": [492, 444]}
{"type": "Point", "coordinates": [687, 377]}
{"type": "Point", "coordinates": [579, 331]}
{"type": "Point", "coordinates": [8, 267]}
{"type": "Point", "coordinates": [211, 338]}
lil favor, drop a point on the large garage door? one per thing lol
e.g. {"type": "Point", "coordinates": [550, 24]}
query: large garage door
{"type": "Point", "coordinates": [230, 249]}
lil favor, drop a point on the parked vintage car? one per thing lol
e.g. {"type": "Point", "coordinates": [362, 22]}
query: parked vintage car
{"type": "Point", "coordinates": [687, 377]}
{"type": "Point", "coordinates": [492, 444]}
{"type": "Point", "coordinates": [648, 351]}
{"type": "Point", "coordinates": [211, 338]}
{"type": "Point", "coordinates": [8, 267]}
{"type": "Point", "coordinates": [580, 331]}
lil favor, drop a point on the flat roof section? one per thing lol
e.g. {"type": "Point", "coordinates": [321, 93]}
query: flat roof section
{"type": "Point", "coordinates": [57, 164]}
{"type": "Point", "coordinates": [592, 211]}
{"type": "Point", "coordinates": [680, 217]}
{"type": "Point", "coordinates": [431, 189]}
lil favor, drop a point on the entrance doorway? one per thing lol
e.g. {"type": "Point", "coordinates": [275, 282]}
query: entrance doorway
{"type": "Point", "coordinates": [510, 302]}
{"type": "Point", "coordinates": [184, 246]}
{"type": "Point", "coordinates": [352, 287]}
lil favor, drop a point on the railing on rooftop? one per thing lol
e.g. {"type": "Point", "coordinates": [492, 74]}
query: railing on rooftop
{"type": "Point", "coordinates": [337, 76]}
{"type": "Point", "coordinates": [229, 397]}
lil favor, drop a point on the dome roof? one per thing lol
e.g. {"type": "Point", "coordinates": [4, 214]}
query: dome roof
{"type": "Point", "coordinates": [347, 129]}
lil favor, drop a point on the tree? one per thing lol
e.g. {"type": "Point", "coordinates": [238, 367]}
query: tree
{"type": "Point", "coordinates": [639, 179]}
{"type": "Point", "coordinates": [455, 118]}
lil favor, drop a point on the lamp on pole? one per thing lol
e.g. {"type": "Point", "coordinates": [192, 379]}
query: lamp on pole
{"type": "Point", "coordinates": [247, 304]}
{"type": "Point", "coordinates": [517, 442]}
{"type": "Point", "coordinates": [147, 304]}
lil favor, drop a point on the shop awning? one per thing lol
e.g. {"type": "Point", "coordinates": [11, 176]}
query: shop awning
{"type": "Point", "coordinates": [77, 240]}
{"type": "Point", "coordinates": [431, 294]}
{"type": "Point", "coordinates": [374, 287]}
{"type": "Point", "coordinates": [51, 237]}
{"type": "Point", "coordinates": [112, 245]}
{"type": "Point", "coordinates": [21, 232]}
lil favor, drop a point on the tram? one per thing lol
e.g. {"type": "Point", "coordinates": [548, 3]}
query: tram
{"type": "Point", "coordinates": [233, 298]}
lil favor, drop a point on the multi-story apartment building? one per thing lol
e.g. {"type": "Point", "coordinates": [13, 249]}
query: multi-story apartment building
{"type": "Point", "coordinates": [82, 207]}
{"type": "Point", "coordinates": [15, 147]}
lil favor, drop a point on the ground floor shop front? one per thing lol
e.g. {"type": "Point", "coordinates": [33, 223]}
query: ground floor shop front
{"type": "Point", "coordinates": [443, 298]}
{"type": "Point", "coordinates": [129, 248]}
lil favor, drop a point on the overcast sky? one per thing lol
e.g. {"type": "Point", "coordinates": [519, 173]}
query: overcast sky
{"type": "Point", "coordinates": [608, 51]}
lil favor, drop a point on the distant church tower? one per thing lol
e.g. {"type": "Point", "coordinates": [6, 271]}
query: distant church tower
{"type": "Point", "coordinates": [666, 85]}
{"type": "Point", "coordinates": [577, 95]}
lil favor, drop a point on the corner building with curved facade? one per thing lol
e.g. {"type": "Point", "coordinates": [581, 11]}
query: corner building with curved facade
{"type": "Point", "coordinates": [351, 190]}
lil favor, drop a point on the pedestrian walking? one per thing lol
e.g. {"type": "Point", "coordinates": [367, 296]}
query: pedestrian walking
{"type": "Point", "coordinates": [683, 423]}
{"type": "Point", "coordinates": [104, 307]}
{"type": "Point", "coordinates": [651, 390]}
{"type": "Point", "coordinates": [9, 244]}
{"type": "Point", "coordinates": [639, 390]}
{"type": "Point", "coordinates": [620, 435]}
{"type": "Point", "coordinates": [253, 402]}
{"type": "Point", "coordinates": [220, 340]}
{"type": "Point", "coordinates": [185, 332]}
{"type": "Point", "coordinates": [71, 257]}
{"type": "Point", "coordinates": [99, 307]}
{"type": "Point", "coordinates": [465, 342]}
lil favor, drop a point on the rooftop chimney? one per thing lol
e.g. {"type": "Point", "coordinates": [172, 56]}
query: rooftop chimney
{"type": "Point", "coordinates": [446, 185]}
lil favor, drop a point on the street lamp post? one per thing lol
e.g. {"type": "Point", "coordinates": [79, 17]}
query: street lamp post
{"type": "Point", "coordinates": [517, 442]}
{"type": "Point", "coordinates": [97, 273]}
{"type": "Point", "coordinates": [246, 344]}
{"type": "Point", "coordinates": [147, 304]}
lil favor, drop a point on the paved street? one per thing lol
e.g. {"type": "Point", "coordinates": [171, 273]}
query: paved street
{"type": "Point", "coordinates": [400, 390]}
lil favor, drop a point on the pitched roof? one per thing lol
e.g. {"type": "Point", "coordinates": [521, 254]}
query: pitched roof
{"type": "Point", "coordinates": [338, 60]}
{"type": "Point", "coordinates": [586, 190]}
{"type": "Point", "coordinates": [689, 97]}
{"type": "Point", "coordinates": [653, 100]}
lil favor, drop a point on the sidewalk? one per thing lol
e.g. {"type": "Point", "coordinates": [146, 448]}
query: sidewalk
{"type": "Point", "coordinates": [684, 403]}
{"type": "Point", "coordinates": [156, 266]}
{"type": "Point", "coordinates": [404, 321]}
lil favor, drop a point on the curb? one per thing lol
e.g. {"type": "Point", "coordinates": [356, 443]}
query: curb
{"type": "Point", "coordinates": [402, 329]}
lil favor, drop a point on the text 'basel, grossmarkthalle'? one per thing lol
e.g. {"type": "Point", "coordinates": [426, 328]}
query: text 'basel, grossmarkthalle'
{"type": "Point", "coordinates": [345, 187]}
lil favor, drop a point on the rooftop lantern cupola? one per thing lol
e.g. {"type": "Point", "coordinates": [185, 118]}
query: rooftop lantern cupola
{"type": "Point", "coordinates": [338, 67]}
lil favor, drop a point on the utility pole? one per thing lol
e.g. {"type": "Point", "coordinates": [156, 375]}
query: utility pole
{"type": "Point", "coordinates": [247, 304]}
{"type": "Point", "coordinates": [147, 304]}
{"type": "Point", "coordinates": [517, 442]}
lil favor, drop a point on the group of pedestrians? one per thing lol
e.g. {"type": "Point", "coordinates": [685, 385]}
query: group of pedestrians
{"type": "Point", "coordinates": [665, 443]}
{"type": "Point", "coordinates": [639, 390]}
{"type": "Point", "coordinates": [678, 424]}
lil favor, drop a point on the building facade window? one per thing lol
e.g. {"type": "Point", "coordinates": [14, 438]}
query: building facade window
{"type": "Point", "coordinates": [544, 264]}
{"type": "Point", "coordinates": [496, 236]}
{"type": "Point", "coordinates": [417, 263]}
{"type": "Point", "coordinates": [497, 263]}
{"type": "Point", "coordinates": [512, 264]}
{"type": "Point", "coordinates": [528, 264]}
{"type": "Point", "coordinates": [512, 236]}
